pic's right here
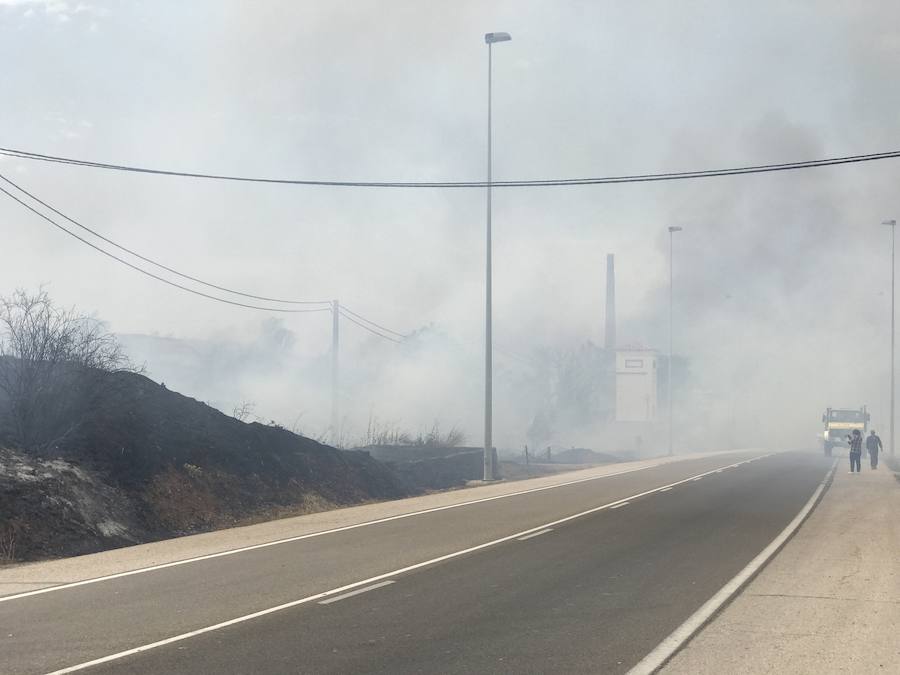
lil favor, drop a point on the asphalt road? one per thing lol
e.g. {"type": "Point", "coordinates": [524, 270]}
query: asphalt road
{"type": "Point", "coordinates": [592, 594]}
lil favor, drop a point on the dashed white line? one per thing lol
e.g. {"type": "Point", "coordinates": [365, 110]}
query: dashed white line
{"type": "Point", "coordinates": [375, 579]}
{"type": "Point", "coordinates": [536, 534]}
{"type": "Point", "coordinates": [344, 596]}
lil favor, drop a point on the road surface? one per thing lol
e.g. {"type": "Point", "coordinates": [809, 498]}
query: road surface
{"type": "Point", "coordinates": [587, 577]}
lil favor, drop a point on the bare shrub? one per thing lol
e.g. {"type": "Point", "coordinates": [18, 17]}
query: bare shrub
{"type": "Point", "coordinates": [9, 537]}
{"type": "Point", "coordinates": [384, 433]}
{"type": "Point", "coordinates": [244, 412]}
{"type": "Point", "coordinates": [434, 437]}
{"type": "Point", "coordinates": [53, 368]}
{"type": "Point", "coordinates": [390, 433]}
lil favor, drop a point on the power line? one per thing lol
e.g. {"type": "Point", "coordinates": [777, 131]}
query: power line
{"type": "Point", "coordinates": [151, 274]}
{"type": "Point", "coordinates": [362, 318]}
{"type": "Point", "coordinates": [350, 318]}
{"type": "Point", "coordinates": [550, 182]}
{"type": "Point", "coordinates": [153, 262]}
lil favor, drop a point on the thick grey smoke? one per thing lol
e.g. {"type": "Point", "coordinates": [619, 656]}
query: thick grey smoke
{"type": "Point", "coordinates": [780, 279]}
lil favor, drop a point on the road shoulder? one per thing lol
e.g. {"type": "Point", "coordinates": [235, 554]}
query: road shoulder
{"type": "Point", "coordinates": [829, 602]}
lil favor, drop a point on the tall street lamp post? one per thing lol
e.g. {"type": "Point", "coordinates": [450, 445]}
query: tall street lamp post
{"type": "Point", "coordinates": [490, 39]}
{"type": "Point", "coordinates": [672, 230]}
{"type": "Point", "coordinates": [893, 224]}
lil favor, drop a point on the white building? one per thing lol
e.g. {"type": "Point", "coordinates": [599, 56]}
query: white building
{"type": "Point", "coordinates": [636, 399]}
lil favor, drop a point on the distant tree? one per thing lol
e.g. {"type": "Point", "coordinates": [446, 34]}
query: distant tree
{"type": "Point", "coordinates": [54, 365]}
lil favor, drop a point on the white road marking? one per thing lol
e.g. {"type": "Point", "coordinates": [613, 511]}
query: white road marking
{"type": "Point", "coordinates": [343, 596]}
{"type": "Point", "coordinates": [619, 506]}
{"type": "Point", "coordinates": [665, 490]}
{"type": "Point", "coordinates": [698, 478]}
{"type": "Point", "coordinates": [371, 580]}
{"type": "Point", "coordinates": [536, 534]}
{"type": "Point", "coordinates": [287, 540]}
{"type": "Point", "coordinates": [679, 637]}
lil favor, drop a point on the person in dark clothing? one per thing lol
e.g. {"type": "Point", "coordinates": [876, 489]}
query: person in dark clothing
{"type": "Point", "coordinates": [855, 451]}
{"type": "Point", "coordinates": [873, 445]}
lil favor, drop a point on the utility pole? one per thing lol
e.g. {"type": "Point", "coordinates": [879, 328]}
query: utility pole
{"type": "Point", "coordinates": [893, 224]}
{"type": "Point", "coordinates": [335, 331]}
{"type": "Point", "coordinates": [672, 231]}
{"type": "Point", "coordinates": [490, 39]}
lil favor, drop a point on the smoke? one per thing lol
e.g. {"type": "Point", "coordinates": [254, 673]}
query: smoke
{"type": "Point", "coordinates": [781, 280]}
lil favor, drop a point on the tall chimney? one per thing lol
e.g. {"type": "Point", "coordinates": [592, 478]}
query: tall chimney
{"type": "Point", "coordinates": [610, 341]}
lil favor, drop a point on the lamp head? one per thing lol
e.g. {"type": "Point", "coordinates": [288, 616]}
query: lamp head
{"type": "Point", "coordinates": [491, 38]}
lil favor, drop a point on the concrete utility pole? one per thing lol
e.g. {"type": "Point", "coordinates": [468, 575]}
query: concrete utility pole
{"type": "Point", "coordinates": [335, 413]}
{"type": "Point", "coordinates": [490, 39]}
{"type": "Point", "coordinates": [893, 224]}
{"type": "Point", "coordinates": [672, 231]}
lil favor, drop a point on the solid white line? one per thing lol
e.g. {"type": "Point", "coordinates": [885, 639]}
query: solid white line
{"type": "Point", "coordinates": [287, 540]}
{"type": "Point", "coordinates": [698, 478]}
{"type": "Point", "coordinates": [370, 580]}
{"type": "Point", "coordinates": [536, 534]}
{"type": "Point", "coordinates": [666, 490]}
{"type": "Point", "coordinates": [356, 592]}
{"type": "Point", "coordinates": [679, 637]}
{"type": "Point", "coordinates": [619, 506]}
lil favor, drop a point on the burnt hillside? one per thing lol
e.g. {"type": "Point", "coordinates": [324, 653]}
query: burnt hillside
{"type": "Point", "coordinates": [146, 463]}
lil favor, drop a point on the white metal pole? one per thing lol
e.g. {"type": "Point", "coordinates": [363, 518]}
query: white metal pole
{"type": "Point", "coordinates": [335, 413]}
{"type": "Point", "coordinates": [488, 346]}
{"type": "Point", "coordinates": [893, 224]}
{"type": "Point", "coordinates": [893, 389]}
{"type": "Point", "coordinates": [671, 295]}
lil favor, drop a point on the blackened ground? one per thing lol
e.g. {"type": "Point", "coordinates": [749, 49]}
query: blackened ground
{"type": "Point", "coordinates": [166, 464]}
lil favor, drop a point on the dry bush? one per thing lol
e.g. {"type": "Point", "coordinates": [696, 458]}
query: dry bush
{"type": "Point", "coordinates": [434, 438]}
{"type": "Point", "coordinates": [390, 433]}
{"type": "Point", "coordinates": [9, 536]}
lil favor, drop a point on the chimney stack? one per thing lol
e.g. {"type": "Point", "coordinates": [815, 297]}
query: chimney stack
{"type": "Point", "coordinates": [610, 341]}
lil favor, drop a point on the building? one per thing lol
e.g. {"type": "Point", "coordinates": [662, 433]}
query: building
{"type": "Point", "coordinates": [636, 392]}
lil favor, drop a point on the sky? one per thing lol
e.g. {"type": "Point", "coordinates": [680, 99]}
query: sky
{"type": "Point", "coordinates": [782, 280]}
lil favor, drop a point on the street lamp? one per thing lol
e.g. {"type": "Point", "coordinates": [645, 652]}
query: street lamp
{"type": "Point", "coordinates": [672, 230]}
{"type": "Point", "coordinates": [893, 224]}
{"type": "Point", "coordinates": [489, 39]}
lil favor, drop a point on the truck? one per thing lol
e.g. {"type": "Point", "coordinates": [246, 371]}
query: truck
{"type": "Point", "coordinates": [840, 423]}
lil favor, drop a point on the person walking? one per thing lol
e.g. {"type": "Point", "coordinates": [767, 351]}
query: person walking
{"type": "Point", "coordinates": [856, 451]}
{"type": "Point", "coordinates": [873, 445]}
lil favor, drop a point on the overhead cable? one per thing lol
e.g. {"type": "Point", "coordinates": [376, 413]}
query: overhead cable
{"type": "Point", "coordinates": [549, 182]}
{"type": "Point", "coordinates": [362, 318]}
{"type": "Point", "coordinates": [350, 318]}
{"type": "Point", "coordinates": [151, 274]}
{"type": "Point", "coordinates": [153, 262]}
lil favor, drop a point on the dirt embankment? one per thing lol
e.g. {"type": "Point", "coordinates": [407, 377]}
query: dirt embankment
{"type": "Point", "coordinates": [148, 463]}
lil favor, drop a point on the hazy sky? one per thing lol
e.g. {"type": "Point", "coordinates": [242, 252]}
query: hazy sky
{"type": "Point", "coordinates": [782, 279]}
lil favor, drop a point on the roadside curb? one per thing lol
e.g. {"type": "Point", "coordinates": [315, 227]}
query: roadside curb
{"type": "Point", "coordinates": [681, 636]}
